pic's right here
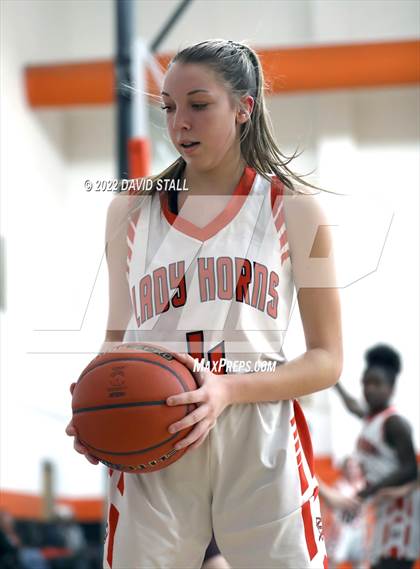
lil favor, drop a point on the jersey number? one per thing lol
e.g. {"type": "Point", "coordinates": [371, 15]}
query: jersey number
{"type": "Point", "coordinates": [195, 343]}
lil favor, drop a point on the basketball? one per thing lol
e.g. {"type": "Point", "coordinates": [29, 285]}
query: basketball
{"type": "Point", "coordinates": [120, 411]}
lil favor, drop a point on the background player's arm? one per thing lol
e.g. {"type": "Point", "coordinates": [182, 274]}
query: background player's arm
{"type": "Point", "coordinates": [335, 499]}
{"type": "Point", "coordinates": [395, 492]}
{"type": "Point", "coordinates": [351, 403]}
{"type": "Point", "coordinates": [397, 434]}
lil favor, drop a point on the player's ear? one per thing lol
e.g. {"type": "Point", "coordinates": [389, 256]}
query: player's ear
{"type": "Point", "coordinates": [245, 107]}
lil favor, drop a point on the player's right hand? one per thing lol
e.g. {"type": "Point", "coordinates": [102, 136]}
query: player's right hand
{"type": "Point", "coordinates": [71, 432]}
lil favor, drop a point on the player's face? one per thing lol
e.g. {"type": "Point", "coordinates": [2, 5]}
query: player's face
{"type": "Point", "coordinates": [376, 389]}
{"type": "Point", "coordinates": [199, 110]}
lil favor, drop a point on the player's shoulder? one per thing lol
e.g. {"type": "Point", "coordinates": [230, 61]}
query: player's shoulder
{"type": "Point", "coordinates": [118, 204]}
{"type": "Point", "coordinates": [121, 209]}
{"type": "Point", "coordinates": [126, 203]}
{"type": "Point", "coordinates": [396, 428]}
{"type": "Point", "coordinates": [302, 204]}
{"type": "Point", "coordinates": [118, 209]}
{"type": "Point", "coordinates": [396, 422]}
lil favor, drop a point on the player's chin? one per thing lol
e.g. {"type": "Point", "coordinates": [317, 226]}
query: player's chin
{"type": "Point", "coordinates": [374, 403]}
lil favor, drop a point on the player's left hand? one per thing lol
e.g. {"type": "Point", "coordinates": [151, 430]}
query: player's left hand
{"type": "Point", "coordinates": [211, 399]}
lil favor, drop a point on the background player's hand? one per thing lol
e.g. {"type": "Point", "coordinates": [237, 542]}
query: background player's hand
{"type": "Point", "coordinates": [211, 399]}
{"type": "Point", "coordinates": [71, 432]}
{"type": "Point", "coordinates": [349, 515]}
{"type": "Point", "coordinates": [395, 492]}
{"type": "Point", "coordinates": [367, 492]}
{"type": "Point", "coordinates": [350, 507]}
{"type": "Point", "coordinates": [339, 501]}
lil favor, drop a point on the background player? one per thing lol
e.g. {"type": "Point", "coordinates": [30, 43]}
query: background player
{"type": "Point", "coordinates": [386, 453]}
{"type": "Point", "coordinates": [250, 473]}
{"type": "Point", "coordinates": [345, 534]}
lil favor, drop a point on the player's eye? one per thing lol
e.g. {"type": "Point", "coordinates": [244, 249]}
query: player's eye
{"type": "Point", "coordinates": [166, 108]}
{"type": "Point", "coordinates": [199, 106]}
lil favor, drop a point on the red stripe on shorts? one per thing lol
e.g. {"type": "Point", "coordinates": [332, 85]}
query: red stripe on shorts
{"type": "Point", "coordinates": [304, 436]}
{"type": "Point", "coordinates": [394, 552]}
{"type": "Point", "coordinates": [407, 535]}
{"type": "Point", "coordinates": [385, 534]}
{"type": "Point", "coordinates": [112, 526]}
{"type": "Point", "coordinates": [304, 485]}
{"type": "Point", "coordinates": [120, 484]}
{"type": "Point", "coordinates": [399, 504]}
{"type": "Point", "coordinates": [309, 530]}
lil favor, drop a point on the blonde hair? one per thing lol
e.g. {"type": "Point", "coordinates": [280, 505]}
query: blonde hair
{"type": "Point", "coordinates": [239, 68]}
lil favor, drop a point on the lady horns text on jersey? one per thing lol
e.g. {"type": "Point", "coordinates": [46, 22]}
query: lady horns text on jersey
{"type": "Point", "coordinates": [224, 278]}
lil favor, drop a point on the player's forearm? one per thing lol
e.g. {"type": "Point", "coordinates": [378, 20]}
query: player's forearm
{"type": "Point", "coordinates": [351, 403]}
{"type": "Point", "coordinates": [401, 476]}
{"type": "Point", "coordinates": [327, 493]}
{"type": "Point", "coordinates": [315, 370]}
{"type": "Point", "coordinates": [112, 339]}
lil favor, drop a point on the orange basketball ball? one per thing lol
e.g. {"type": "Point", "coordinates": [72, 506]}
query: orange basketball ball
{"type": "Point", "coordinates": [120, 411]}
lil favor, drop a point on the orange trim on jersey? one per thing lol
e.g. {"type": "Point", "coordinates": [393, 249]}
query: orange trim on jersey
{"type": "Point", "coordinates": [277, 192]}
{"type": "Point", "coordinates": [277, 207]}
{"type": "Point", "coordinates": [284, 256]}
{"type": "Point", "coordinates": [279, 222]}
{"type": "Point", "coordinates": [235, 204]}
{"type": "Point", "coordinates": [389, 410]}
{"type": "Point", "coordinates": [131, 233]}
{"type": "Point", "coordinates": [283, 239]}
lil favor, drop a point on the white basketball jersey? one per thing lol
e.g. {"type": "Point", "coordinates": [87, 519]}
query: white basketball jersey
{"type": "Point", "coordinates": [221, 292]}
{"type": "Point", "coordinates": [375, 456]}
{"type": "Point", "coordinates": [396, 533]}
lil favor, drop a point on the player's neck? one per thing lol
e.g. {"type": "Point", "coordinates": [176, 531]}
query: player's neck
{"type": "Point", "coordinates": [378, 410]}
{"type": "Point", "coordinates": [221, 180]}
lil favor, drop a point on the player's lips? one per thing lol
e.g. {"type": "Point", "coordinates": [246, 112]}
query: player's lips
{"type": "Point", "coordinates": [189, 146]}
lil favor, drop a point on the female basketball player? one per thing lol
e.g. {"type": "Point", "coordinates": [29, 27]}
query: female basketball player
{"type": "Point", "coordinates": [386, 453]}
{"type": "Point", "coordinates": [211, 272]}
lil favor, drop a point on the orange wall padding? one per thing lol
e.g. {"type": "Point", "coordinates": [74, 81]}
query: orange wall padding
{"type": "Point", "coordinates": [298, 69]}
{"type": "Point", "coordinates": [29, 506]}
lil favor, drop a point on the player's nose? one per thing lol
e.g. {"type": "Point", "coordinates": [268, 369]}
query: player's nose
{"type": "Point", "coordinates": [181, 120]}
